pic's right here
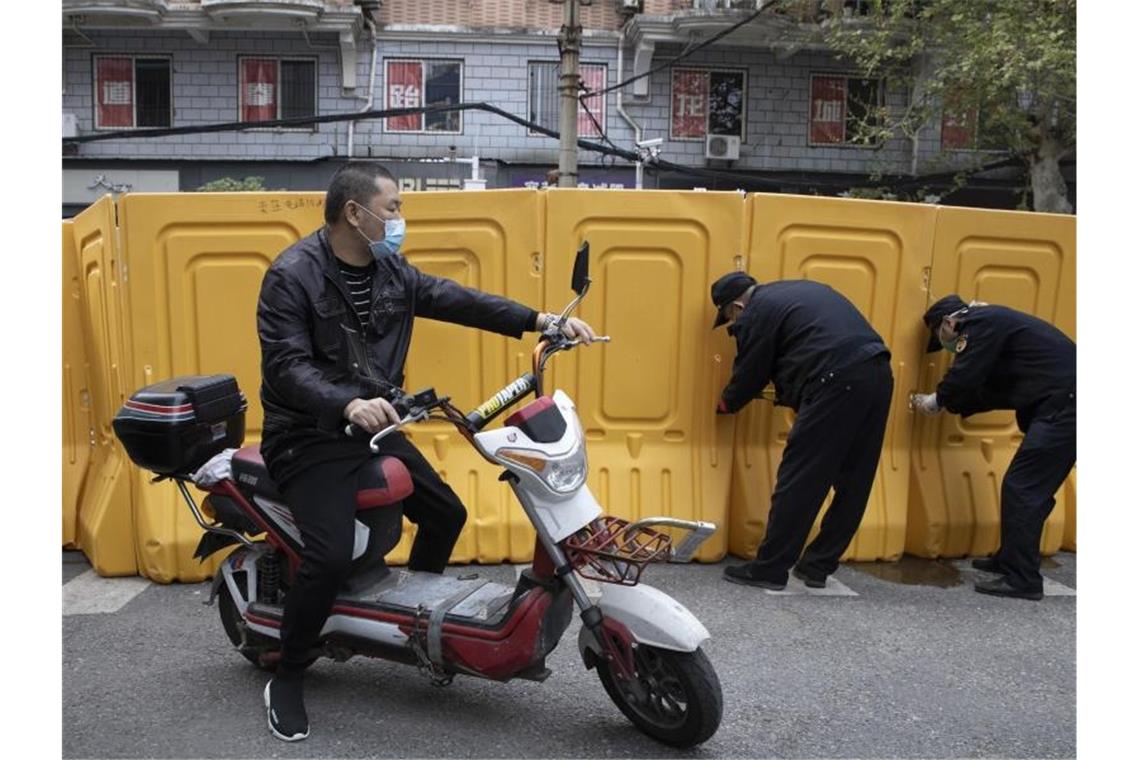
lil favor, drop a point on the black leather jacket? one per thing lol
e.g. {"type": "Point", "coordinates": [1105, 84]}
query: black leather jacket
{"type": "Point", "coordinates": [316, 356]}
{"type": "Point", "coordinates": [1009, 360]}
{"type": "Point", "coordinates": [791, 332]}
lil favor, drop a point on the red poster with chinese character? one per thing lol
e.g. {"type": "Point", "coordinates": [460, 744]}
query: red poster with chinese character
{"type": "Point", "coordinates": [828, 109]}
{"type": "Point", "coordinates": [404, 89]}
{"type": "Point", "coordinates": [958, 128]}
{"type": "Point", "coordinates": [115, 92]}
{"type": "Point", "coordinates": [258, 89]}
{"type": "Point", "coordinates": [690, 103]}
{"type": "Point", "coordinates": [594, 78]}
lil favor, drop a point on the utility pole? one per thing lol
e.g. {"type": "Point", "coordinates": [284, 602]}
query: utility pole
{"type": "Point", "coordinates": [569, 41]}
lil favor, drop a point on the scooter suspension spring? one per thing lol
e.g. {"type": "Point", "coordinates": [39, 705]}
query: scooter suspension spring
{"type": "Point", "coordinates": [268, 578]}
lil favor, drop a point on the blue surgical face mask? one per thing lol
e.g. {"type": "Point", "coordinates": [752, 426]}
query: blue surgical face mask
{"type": "Point", "coordinates": [393, 236]}
{"type": "Point", "coordinates": [952, 344]}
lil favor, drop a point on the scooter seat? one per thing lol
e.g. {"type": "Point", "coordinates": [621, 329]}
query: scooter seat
{"type": "Point", "coordinates": [384, 481]}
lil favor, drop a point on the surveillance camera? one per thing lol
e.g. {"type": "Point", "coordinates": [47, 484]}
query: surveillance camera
{"type": "Point", "coordinates": [651, 143]}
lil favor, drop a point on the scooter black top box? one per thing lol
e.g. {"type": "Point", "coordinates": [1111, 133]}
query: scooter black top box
{"type": "Point", "coordinates": [175, 426]}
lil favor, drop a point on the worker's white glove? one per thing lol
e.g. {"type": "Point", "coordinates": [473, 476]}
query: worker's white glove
{"type": "Point", "coordinates": [927, 403]}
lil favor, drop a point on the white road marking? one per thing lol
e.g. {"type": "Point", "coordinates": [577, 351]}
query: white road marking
{"type": "Point", "coordinates": [1052, 588]}
{"type": "Point", "coordinates": [1049, 587]}
{"type": "Point", "coordinates": [796, 587]}
{"type": "Point", "coordinates": [90, 594]}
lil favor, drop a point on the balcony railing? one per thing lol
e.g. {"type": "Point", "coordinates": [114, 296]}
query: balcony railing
{"type": "Point", "coordinates": [807, 9]}
{"type": "Point", "coordinates": [726, 5]}
{"type": "Point", "coordinates": [303, 10]}
{"type": "Point", "coordinates": [151, 11]}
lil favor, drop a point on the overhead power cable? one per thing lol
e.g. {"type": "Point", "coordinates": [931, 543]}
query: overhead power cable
{"type": "Point", "coordinates": [653, 164]}
{"type": "Point", "coordinates": [681, 56]}
{"type": "Point", "coordinates": [304, 121]}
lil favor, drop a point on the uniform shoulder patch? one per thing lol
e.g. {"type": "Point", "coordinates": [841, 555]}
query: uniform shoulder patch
{"type": "Point", "coordinates": [960, 346]}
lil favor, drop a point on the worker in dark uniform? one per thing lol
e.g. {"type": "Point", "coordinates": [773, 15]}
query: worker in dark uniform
{"type": "Point", "coordinates": [1005, 359]}
{"type": "Point", "coordinates": [833, 369]}
{"type": "Point", "coordinates": [335, 319]}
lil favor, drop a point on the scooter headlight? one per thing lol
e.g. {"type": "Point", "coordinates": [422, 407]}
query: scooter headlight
{"type": "Point", "coordinates": [566, 475]}
{"type": "Point", "coordinates": [563, 475]}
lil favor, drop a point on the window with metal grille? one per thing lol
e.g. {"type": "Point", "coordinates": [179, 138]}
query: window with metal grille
{"type": "Point", "coordinates": [842, 108]}
{"type": "Point", "coordinates": [132, 92]}
{"type": "Point", "coordinates": [416, 83]}
{"type": "Point", "coordinates": [544, 102]}
{"type": "Point", "coordinates": [962, 129]}
{"type": "Point", "coordinates": [707, 102]}
{"type": "Point", "coordinates": [277, 88]}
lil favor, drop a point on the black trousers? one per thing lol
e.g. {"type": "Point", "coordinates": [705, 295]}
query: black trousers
{"type": "Point", "coordinates": [322, 499]}
{"type": "Point", "coordinates": [1038, 469]}
{"type": "Point", "coordinates": [834, 442]}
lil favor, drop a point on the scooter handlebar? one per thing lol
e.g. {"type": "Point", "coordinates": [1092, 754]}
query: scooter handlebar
{"type": "Point", "coordinates": [374, 442]}
{"type": "Point", "coordinates": [599, 339]}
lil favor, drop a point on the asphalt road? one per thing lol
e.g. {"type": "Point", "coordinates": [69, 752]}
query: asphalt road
{"type": "Point", "coordinates": [904, 660]}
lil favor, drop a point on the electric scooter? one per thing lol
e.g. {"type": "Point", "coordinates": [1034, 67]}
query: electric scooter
{"type": "Point", "coordinates": [644, 645]}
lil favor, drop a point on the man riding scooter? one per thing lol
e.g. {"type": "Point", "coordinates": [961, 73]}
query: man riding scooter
{"type": "Point", "coordinates": [334, 319]}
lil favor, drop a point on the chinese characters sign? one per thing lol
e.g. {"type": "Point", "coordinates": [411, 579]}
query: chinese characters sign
{"type": "Point", "coordinates": [690, 103]}
{"type": "Point", "coordinates": [404, 89]}
{"type": "Point", "coordinates": [828, 110]}
{"type": "Point", "coordinates": [114, 88]}
{"type": "Point", "coordinates": [258, 89]}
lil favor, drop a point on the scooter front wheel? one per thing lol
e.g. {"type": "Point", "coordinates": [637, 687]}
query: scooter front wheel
{"type": "Point", "coordinates": [674, 697]}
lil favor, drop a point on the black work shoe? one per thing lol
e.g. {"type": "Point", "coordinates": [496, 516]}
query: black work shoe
{"type": "Point", "coordinates": [986, 564]}
{"type": "Point", "coordinates": [285, 707]}
{"type": "Point", "coordinates": [1002, 587]}
{"type": "Point", "coordinates": [811, 581]}
{"type": "Point", "coordinates": [743, 574]}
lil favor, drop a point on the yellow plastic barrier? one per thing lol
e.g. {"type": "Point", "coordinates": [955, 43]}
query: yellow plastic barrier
{"type": "Point", "coordinates": [195, 263]}
{"type": "Point", "coordinates": [1024, 261]}
{"type": "Point", "coordinates": [490, 242]}
{"type": "Point", "coordinates": [77, 421]}
{"type": "Point", "coordinates": [105, 530]}
{"type": "Point", "coordinates": [647, 401]}
{"type": "Point", "coordinates": [874, 254]}
{"type": "Point", "coordinates": [181, 299]}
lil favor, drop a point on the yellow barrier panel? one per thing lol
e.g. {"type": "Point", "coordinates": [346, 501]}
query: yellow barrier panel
{"type": "Point", "coordinates": [105, 530]}
{"type": "Point", "coordinates": [195, 264]}
{"type": "Point", "coordinates": [192, 265]}
{"type": "Point", "coordinates": [647, 401]}
{"type": "Point", "coordinates": [874, 254]}
{"type": "Point", "coordinates": [1022, 260]}
{"type": "Point", "coordinates": [78, 426]}
{"type": "Point", "coordinates": [490, 241]}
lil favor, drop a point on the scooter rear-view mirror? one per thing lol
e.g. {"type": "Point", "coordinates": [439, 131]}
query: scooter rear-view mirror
{"type": "Point", "coordinates": [581, 276]}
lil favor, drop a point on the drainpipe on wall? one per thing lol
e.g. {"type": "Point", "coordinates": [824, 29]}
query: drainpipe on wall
{"type": "Point", "coordinates": [371, 85]}
{"type": "Point", "coordinates": [621, 112]}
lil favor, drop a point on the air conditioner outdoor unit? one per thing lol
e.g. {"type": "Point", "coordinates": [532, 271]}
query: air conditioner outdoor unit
{"type": "Point", "coordinates": [630, 6]}
{"type": "Point", "coordinates": [723, 147]}
{"type": "Point", "coordinates": [70, 125]}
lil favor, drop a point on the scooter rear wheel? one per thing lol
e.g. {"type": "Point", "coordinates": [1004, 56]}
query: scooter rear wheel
{"type": "Point", "coordinates": [254, 644]}
{"type": "Point", "coordinates": [676, 698]}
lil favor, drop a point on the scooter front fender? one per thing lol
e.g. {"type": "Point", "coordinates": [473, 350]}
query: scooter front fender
{"type": "Point", "coordinates": [652, 617]}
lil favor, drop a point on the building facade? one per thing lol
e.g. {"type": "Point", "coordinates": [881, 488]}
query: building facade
{"type": "Point", "coordinates": [764, 109]}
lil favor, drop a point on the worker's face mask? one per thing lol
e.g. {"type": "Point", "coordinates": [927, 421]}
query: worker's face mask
{"type": "Point", "coordinates": [731, 312]}
{"type": "Point", "coordinates": [393, 236]}
{"type": "Point", "coordinates": [947, 336]}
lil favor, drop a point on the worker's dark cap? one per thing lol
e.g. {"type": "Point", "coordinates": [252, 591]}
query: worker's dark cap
{"type": "Point", "coordinates": [726, 290]}
{"type": "Point", "coordinates": [943, 307]}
